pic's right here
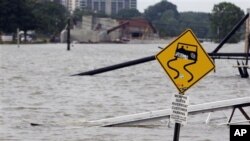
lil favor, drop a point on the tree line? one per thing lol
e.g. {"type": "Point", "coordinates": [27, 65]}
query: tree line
{"type": "Point", "coordinates": [49, 18]}
{"type": "Point", "coordinates": [45, 17]}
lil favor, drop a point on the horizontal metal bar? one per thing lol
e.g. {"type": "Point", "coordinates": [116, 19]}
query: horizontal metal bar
{"type": "Point", "coordinates": [161, 114]}
{"type": "Point", "coordinates": [229, 54]}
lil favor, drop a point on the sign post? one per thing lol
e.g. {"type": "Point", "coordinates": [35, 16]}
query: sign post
{"type": "Point", "coordinates": [185, 62]}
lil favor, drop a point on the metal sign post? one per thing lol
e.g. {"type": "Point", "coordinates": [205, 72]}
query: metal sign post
{"type": "Point", "coordinates": [177, 129]}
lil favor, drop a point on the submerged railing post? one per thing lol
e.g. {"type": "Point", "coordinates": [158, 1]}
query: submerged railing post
{"type": "Point", "coordinates": [18, 37]}
{"type": "Point", "coordinates": [68, 35]}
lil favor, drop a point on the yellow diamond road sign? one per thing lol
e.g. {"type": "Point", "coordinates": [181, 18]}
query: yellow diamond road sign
{"type": "Point", "coordinates": [185, 61]}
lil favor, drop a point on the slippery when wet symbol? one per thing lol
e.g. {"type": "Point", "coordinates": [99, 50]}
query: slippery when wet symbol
{"type": "Point", "coordinates": [185, 61]}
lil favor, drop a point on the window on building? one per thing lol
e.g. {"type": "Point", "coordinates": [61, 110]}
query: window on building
{"type": "Point", "coordinates": [89, 4]}
{"type": "Point", "coordinates": [133, 4]}
{"type": "Point", "coordinates": [120, 6]}
{"type": "Point", "coordinates": [126, 4]}
{"type": "Point", "coordinates": [96, 6]}
{"type": "Point", "coordinates": [103, 5]}
{"type": "Point", "coordinates": [113, 8]}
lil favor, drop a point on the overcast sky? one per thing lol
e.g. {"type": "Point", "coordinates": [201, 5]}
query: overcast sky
{"type": "Point", "coordinates": [194, 5]}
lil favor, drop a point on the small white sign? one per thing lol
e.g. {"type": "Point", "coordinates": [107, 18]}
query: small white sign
{"type": "Point", "coordinates": [179, 106]}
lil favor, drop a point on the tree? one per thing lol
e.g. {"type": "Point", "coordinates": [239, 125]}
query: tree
{"type": "Point", "coordinates": [197, 21]}
{"type": "Point", "coordinates": [154, 13]}
{"type": "Point", "coordinates": [164, 16]}
{"type": "Point", "coordinates": [43, 16]}
{"type": "Point", "coordinates": [15, 14]}
{"type": "Point", "coordinates": [50, 17]}
{"type": "Point", "coordinates": [224, 16]}
{"type": "Point", "coordinates": [127, 14]}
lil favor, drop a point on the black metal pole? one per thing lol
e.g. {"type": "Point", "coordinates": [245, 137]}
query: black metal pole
{"type": "Point", "coordinates": [248, 47]}
{"type": "Point", "coordinates": [228, 54]}
{"type": "Point", "coordinates": [177, 129]}
{"type": "Point", "coordinates": [230, 34]}
{"type": "Point", "coordinates": [68, 35]}
{"type": "Point", "coordinates": [118, 66]}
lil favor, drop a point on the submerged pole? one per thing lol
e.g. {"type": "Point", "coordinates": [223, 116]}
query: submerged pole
{"type": "Point", "coordinates": [18, 37]}
{"type": "Point", "coordinates": [68, 35]}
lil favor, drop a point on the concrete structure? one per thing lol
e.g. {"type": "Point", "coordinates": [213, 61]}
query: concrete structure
{"type": "Point", "coordinates": [247, 31]}
{"type": "Point", "coordinates": [93, 30]}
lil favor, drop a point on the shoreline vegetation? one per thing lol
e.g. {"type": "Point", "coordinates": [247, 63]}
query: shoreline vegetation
{"type": "Point", "coordinates": [48, 19]}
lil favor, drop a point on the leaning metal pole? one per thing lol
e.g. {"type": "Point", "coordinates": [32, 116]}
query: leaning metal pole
{"type": "Point", "coordinates": [229, 35]}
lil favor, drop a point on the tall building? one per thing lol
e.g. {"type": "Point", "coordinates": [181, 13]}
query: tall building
{"type": "Point", "coordinates": [109, 7]}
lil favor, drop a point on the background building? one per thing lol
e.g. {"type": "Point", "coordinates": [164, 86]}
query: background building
{"type": "Point", "coordinates": [109, 7]}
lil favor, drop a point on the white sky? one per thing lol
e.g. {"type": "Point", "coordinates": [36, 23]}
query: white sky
{"type": "Point", "coordinates": [193, 5]}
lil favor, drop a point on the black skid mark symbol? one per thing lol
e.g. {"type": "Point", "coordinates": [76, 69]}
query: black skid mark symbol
{"type": "Point", "coordinates": [178, 73]}
{"type": "Point", "coordinates": [192, 77]}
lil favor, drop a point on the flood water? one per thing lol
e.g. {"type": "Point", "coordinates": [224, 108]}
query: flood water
{"type": "Point", "coordinates": [36, 87]}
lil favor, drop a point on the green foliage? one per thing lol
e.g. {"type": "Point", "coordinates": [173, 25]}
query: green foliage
{"type": "Point", "coordinates": [154, 13]}
{"type": "Point", "coordinates": [198, 22]}
{"type": "Point", "coordinates": [165, 17]}
{"type": "Point", "coordinates": [45, 17]}
{"type": "Point", "coordinates": [224, 16]}
{"type": "Point", "coordinates": [169, 22]}
{"type": "Point", "coordinates": [127, 14]}
{"type": "Point", "coordinates": [15, 14]}
{"type": "Point", "coordinates": [50, 17]}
